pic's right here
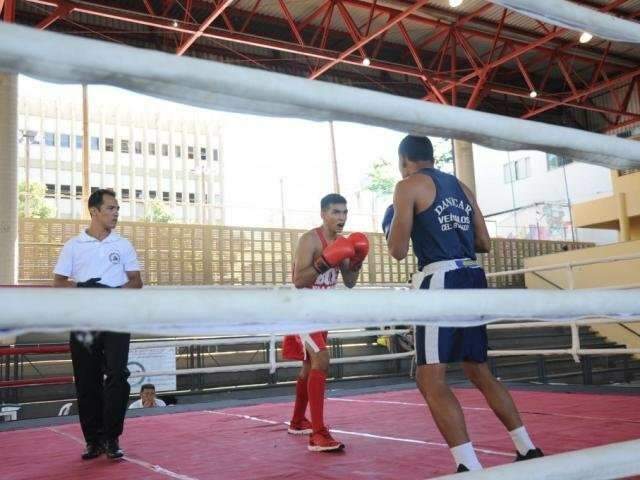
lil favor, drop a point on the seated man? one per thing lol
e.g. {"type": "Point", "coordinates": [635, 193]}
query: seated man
{"type": "Point", "coordinates": [148, 398]}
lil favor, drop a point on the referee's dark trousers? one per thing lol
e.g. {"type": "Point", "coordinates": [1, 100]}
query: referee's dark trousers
{"type": "Point", "coordinates": [100, 371]}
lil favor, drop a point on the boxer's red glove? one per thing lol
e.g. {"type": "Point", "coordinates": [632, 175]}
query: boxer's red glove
{"type": "Point", "coordinates": [360, 244]}
{"type": "Point", "coordinates": [335, 253]}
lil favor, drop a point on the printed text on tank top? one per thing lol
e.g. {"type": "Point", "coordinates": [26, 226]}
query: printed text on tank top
{"type": "Point", "coordinates": [443, 229]}
{"type": "Point", "coordinates": [328, 279]}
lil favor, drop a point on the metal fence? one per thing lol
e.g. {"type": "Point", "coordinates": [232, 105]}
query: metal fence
{"type": "Point", "coordinates": [182, 254]}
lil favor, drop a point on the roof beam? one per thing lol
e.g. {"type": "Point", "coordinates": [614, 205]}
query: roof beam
{"type": "Point", "coordinates": [62, 11]}
{"type": "Point", "coordinates": [399, 17]}
{"type": "Point", "coordinates": [217, 11]}
{"type": "Point", "coordinates": [9, 11]}
{"type": "Point", "coordinates": [626, 77]}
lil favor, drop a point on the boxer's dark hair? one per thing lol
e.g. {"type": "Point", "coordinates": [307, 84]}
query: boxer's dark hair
{"type": "Point", "coordinates": [331, 199]}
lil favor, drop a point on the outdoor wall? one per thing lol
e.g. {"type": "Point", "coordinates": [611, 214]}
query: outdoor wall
{"type": "Point", "coordinates": [627, 183]}
{"type": "Point", "coordinates": [604, 213]}
{"type": "Point", "coordinates": [540, 195]}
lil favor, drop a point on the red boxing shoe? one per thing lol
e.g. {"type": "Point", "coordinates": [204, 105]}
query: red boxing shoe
{"type": "Point", "coordinates": [322, 441]}
{"type": "Point", "coordinates": [303, 427]}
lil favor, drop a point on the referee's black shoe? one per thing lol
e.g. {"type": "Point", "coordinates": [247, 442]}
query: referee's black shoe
{"type": "Point", "coordinates": [113, 449]}
{"type": "Point", "coordinates": [93, 450]}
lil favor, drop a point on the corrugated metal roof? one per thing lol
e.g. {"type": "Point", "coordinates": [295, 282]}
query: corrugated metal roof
{"type": "Point", "coordinates": [478, 32]}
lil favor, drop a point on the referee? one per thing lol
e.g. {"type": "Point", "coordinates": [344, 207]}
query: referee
{"type": "Point", "coordinates": [100, 258]}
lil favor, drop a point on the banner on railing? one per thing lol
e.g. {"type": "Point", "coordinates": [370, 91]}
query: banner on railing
{"type": "Point", "coordinates": [152, 360]}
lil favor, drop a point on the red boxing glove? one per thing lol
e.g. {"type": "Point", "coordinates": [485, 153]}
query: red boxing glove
{"type": "Point", "coordinates": [335, 253]}
{"type": "Point", "coordinates": [360, 244]}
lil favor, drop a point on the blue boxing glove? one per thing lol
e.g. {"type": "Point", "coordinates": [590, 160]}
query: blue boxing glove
{"type": "Point", "coordinates": [386, 221]}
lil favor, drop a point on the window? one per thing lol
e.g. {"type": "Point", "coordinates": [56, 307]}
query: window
{"type": "Point", "coordinates": [192, 198]}
{"type": "Point", "coordinates": [203, 153]}
{"type": "Point", "coordinates": [65, 191]}
{"type": "Point", "coordinates": [51, 190]}
{"type": "Point", "coordinates": [78, 191]}
{"type": "Point", "coordinates": [508, 172]}
{"type": "Point", "coordinates": [124, 146]}
{"type": "Point", "coordinates": [190, 153]}
{"type": "Point", "coordinates": [79, 142]}
{"type": "Point", "coordinates": [165, 196]}
{"type": "Point", "coordinates": [65, 140]}
{"type": "Point", "coordinates": [522, 168]}
{"type": "Point", "coordinates": [49, 139]}
{"type": "Point", "coordinates": [516, 170]}
{"type": "Point", "coordinates": [152, 194]}
{"type": "Point", "coordinates": [151, 149]}
{"type": "Point", "coordinates": [94, 189]}
{"type": "Point", "coordinates": [165, 150]}
{"type": "Point", "coordinates": [124, 193]}
{"type": "Point", "coordinates": [139, 195]}
{"type": "Point", "coordinates": [556, 161]}
{"type": "Point", "coordinates": [215, 154]}
{"type": "Point", "coordinates": [138, 147]}
{"type": "Point", "coordinates": [178, 197]}
{"type": "Point", "coordinates": [178, 151]}
{"type": "Point", "coordinates": [108, 144]}
{"type": "Point", "coordinates": [95, 143]}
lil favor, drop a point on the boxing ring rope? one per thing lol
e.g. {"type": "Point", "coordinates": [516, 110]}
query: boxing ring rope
{"type": "Point", "coordinates": [168, 311]}
{"type": "Point", "coordinates": [574, 16]}
{"type": "Point", "coordinates": [525, 322]}
{"type": "Point", "coordinates": [616, 460]}
{"type": "Point", "coordinates": [273, 365]}
{"type": "Point", "coordinates": [208, 84]}
{"type": "Point", "coordinates": [45, 55]}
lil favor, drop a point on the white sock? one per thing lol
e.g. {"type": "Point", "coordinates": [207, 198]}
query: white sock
{"type": "Point", "coordinates": [521, 440]}
{"type": "Point", "coordinates": [465, 455]}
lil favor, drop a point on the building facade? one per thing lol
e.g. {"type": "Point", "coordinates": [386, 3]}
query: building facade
{"type": "Point", "coordinates": [529, 194]}
{"type": "Point", "coordinates": [145, 155]}
{"type": "Point", "coordinates": [618, 212]}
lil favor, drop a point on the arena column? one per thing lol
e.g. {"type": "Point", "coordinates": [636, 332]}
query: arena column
{"type": "Point", "coordinates": [8, 179]}
{"type": "Point", "coordinates": [463, 155]}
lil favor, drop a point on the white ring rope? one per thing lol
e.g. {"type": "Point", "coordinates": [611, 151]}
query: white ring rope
{"type": "Point", "coordinates": [616, 460]}
{"type": "Point", "coordinates": [576, 17]}
{"type": "Point", "coordinates": [167, 311]}
{"type": "Point", "coordinates": [60, 58]}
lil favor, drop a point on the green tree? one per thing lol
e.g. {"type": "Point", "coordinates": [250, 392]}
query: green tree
{"type": "Point", "coordinates": [158, 212]}
{"type": "Point", "coordinates": [443, 154]}
{"type": "Point", "coordinates": [35, 199]}
{"type": "Point", "coordinates": [381, 178]}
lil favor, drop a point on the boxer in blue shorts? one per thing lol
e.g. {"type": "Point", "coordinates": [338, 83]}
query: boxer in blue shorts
{"type": "Point", "coordinates": [441, 217]}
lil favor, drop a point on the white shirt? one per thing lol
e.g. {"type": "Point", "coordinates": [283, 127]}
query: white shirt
{"type": "Point", "coordinates": [85, 257]}
{"type": "Point", "coordinates": [138, 403]}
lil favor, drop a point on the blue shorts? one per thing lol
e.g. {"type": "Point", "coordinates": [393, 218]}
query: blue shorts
{"type": "Point", "coordinates": [452, 344]}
